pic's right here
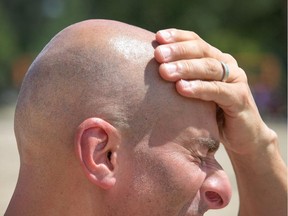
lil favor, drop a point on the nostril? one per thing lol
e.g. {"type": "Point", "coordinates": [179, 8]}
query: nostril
{"type": "Point", "coordinates": [214, 198]}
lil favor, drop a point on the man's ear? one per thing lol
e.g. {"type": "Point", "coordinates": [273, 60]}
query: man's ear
{"type": "Point", "coordinates": [96, 146]}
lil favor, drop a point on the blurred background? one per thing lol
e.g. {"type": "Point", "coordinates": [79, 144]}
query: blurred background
{"type": "Point", "coordinates": [254, 32]}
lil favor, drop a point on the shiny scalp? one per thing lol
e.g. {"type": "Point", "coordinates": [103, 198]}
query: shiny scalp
{"type": "Point", "coordinates": [96, 68]}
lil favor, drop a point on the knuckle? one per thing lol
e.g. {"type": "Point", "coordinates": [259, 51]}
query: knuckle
{"type": "Point", "coordinates": [194, 35]}
{"type": "Point", "coordinates": [210, 67]}
{"type": "Point", "coordinates": [218, 90]}
{"type": "Point", "coordinates": [229, 58]}
{"type": "Point", "coordinates": [205, 47]}
{"type": "Point", "coordinates": [198, 89]}
{"type": "Point", "coordinates": [186, 67]}
{"type": "Point", "coordinates": [183, 50]}
{"type": "Point", "coordinates": [243, 75]}
{"type": "Point", "coordinates": [180, 50]}
{"type": "Point", "coordinates": [243, 95]}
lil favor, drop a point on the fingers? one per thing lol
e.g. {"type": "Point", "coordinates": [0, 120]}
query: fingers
{"type": "Point", "coordinates": [185, 50]}
{"type": "Point", "coordinates": [180, 44]}
{"type": "Point", "coordinates": [194, 89]}
{"type": "Point", "coordinates": [203, 69]}
{"type": "Point", "coordinates": [196, 68]}
{"type": "Point", "coordinates": [183, 45]}
{"type": "Point", "coordinates": [224, 94]}
{"type": "Point", "coordinates": [174, 35]}
{"type": "Point", "coordinates": [184, 55]}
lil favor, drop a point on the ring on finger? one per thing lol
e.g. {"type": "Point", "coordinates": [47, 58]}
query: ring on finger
{"type": "Point", "coordinates": [226, 72]}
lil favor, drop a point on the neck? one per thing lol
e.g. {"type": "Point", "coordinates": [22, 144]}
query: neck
{"type": "Point", "coordinates": [35, 195]}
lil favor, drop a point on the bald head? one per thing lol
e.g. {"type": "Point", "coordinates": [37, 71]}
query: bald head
{"type": "Point", "coordinates": [93, 68]}
{"type": "Point", "coordinates": [93, 101]}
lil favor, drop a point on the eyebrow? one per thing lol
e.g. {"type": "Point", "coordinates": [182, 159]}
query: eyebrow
{"type": "Point", "coordinates": [211, 144]}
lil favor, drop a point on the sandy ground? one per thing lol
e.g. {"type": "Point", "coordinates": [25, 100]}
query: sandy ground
{"type": "Point", "coordinates": [9, 161]}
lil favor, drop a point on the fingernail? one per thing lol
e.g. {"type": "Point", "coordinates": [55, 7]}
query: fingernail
{"type": "Point", "coordinates": [171, 68]}
{"type": "Point", "coordinates": [166, 52]}
{"type": "Point", "coordinates": [165, 34]}
{"type": "Point", "coordinates": [185, 83]}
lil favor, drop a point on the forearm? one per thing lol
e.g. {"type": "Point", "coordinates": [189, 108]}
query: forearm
{"type": "Point", "coordinates": [262, 181]}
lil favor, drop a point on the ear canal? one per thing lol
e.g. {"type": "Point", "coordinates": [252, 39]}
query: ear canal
{"type": "Point", "coordinates": [110, 160]}
{"type": "Point", "coordinates": [109, 154]}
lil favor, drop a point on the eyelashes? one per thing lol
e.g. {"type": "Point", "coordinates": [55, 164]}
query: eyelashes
{"type": "Point", "coordinates": [201, 160]}
{"type": "Point", "coordinates": [197, 159]}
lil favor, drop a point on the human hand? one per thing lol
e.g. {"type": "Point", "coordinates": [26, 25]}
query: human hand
{"type": "Point", "coordinates": [195, 66]}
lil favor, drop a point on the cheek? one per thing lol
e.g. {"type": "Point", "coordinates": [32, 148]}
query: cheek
{"type": "Point", "coordinates": [161, 181]}
{"type": "Point", "coordinates": [174, 176]}
{"type": "Point", "coordinates": [185, 175]}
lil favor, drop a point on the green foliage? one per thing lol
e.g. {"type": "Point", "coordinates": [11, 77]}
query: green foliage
{"type": "Point", "coordinates": [8, 47]}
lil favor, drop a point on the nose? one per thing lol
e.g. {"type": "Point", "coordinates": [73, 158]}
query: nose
{"type": "Point", "coordinates": [216, 189]}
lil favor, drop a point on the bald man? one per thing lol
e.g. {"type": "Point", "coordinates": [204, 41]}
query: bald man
{"type": "Point", "coordinates": [99, 131]}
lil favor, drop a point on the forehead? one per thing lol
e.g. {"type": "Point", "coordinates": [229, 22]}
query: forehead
{"type": "Point", "coordinates": [194, 123]}
{"type": "Point", "coordinates": [193, 117]}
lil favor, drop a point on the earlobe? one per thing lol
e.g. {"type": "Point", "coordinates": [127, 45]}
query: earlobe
{"type": "Point", "coordinates": [96, 144]}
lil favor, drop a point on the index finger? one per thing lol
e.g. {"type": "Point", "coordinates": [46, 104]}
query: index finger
{"type": "Point", "coordinates": [173, 35]}
{"type": "Point", "coordinates": [180, 40]}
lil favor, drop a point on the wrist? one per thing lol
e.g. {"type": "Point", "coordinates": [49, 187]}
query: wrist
{"type": "Point", "coordinates": [263, 158]}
